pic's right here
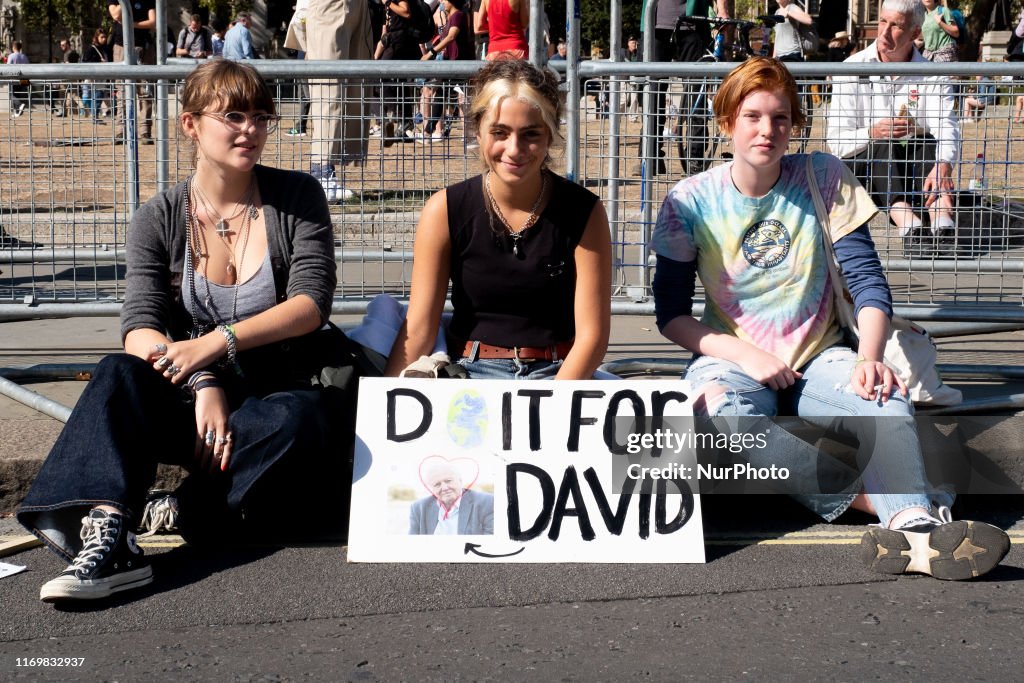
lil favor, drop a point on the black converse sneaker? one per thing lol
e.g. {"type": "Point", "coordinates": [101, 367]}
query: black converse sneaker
{"type": "Point", "coordinates": [109, 562]}
{"type": "Point", "coordinates": [940, 547]}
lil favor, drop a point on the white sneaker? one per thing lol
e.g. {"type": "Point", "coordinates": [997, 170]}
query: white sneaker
{"type": "Point", "coordinates": [334, 191]}
{"type": "Point", "coordinates": [425, 139]}
{"type": "Point", "coordinates": [938, 546]}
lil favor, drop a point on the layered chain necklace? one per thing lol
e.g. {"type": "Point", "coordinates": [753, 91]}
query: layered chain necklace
{"type": "Point", "coordinates": [197, 247]}
{"type": "Point", "coordinates": [516, 236]}
{"type": "Point", "coordinates": [222, 226]}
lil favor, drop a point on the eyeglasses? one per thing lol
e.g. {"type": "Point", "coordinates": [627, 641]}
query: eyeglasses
{"type": "Point", "coordinates": [236, 120]}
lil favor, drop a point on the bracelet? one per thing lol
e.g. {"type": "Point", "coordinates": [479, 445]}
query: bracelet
{"type": "Point", "coordinates": [196, 377]}
{"type": "Point", "coordinates": [206, 384]}
{"type": "Point", "coordinates": [229, 336]}
{"type": "Point", "coordinates": [432, 51]}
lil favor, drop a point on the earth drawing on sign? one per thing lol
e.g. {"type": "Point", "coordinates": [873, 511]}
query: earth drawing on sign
{"type": "Point", "coordinates": [467, 419]}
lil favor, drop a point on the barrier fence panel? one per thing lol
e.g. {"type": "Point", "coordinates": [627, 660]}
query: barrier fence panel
{"type": "Point", "coordinates": [402, 134]}
{"type": "Point", "coordinates": [979, 264]}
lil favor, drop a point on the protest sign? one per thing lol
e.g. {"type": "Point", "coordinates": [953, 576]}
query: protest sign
{"type": "Point", "coordinates": [514, 471]}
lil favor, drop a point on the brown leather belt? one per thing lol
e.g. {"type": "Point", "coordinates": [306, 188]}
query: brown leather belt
{"type": "Point", "coordinates": [523, 353]}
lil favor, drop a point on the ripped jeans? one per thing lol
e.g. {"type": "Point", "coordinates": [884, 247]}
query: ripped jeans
{"type": "Point", "coordinates": [888, 451]}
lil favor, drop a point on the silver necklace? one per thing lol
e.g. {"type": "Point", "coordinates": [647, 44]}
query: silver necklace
{"type": "Point", "coordinates": [223, 225]}
{"type": "Point", "coordinates": [516, 236]}
{"type": "Point", "coordinates": [231, 269]}
{"type": "Point", "coordinates": [196, 243]}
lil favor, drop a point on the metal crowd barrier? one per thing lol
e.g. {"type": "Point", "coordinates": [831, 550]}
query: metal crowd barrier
{"type": "Point", "coordinates": [69, 183]}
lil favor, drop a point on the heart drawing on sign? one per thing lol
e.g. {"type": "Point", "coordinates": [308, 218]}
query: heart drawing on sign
{"type": "Point", "coordinates": [447, 479]}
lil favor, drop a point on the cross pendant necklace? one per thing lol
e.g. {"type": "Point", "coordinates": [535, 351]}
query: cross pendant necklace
{"type": "Point", "coordinates": [222, 224]}
{"type": "Point", "coordinates": [516, 238]}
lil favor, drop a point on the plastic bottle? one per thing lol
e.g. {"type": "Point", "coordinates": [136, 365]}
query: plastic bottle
{"type": "Point", "coordinates": [719, 50]}
{"type": "Point", "coordinates": [977, 183]}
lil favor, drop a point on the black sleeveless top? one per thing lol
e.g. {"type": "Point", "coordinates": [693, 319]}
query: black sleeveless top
{"type": "Point", "coordinates": [507, 300]}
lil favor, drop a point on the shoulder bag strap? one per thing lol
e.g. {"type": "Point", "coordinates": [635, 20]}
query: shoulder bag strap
{"type": "Point", "coordinates": [843, 305]}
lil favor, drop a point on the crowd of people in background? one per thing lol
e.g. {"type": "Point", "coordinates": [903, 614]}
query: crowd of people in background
{"type": "Point", "coordinates": [231, 274]}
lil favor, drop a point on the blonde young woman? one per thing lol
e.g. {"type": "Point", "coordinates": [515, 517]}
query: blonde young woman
{"type": "Point", "coordinates": [230, 279]}
{"type": "Point", "coordinates": [527, 252]}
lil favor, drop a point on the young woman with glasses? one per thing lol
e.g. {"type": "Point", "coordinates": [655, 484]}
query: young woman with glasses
{"type": "Point", "coordinates": [230, 280]}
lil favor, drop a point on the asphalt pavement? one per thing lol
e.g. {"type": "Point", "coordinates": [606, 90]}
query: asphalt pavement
{"type": "Point", "coordinates": [779, 596]}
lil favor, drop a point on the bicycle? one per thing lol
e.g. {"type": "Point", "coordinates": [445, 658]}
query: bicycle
{"type": "Point", "coordinates": [719, 49]}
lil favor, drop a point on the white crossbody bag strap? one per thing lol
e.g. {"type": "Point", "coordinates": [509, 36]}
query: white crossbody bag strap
{"type": "Point", "coordinates": [843, 307]}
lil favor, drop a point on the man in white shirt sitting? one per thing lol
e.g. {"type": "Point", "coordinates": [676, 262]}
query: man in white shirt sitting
{"type": "Point", "coordinates": [900, 134]}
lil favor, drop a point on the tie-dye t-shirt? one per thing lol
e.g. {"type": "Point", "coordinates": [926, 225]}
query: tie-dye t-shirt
{"type": "Point", "coordinates": [761, 260]}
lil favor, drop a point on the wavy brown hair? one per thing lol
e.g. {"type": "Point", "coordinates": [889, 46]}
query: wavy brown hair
{"type": "Point", "coordinates": [224, 85]}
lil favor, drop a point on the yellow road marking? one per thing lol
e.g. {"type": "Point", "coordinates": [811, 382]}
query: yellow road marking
{"type": "Point", "coordinates": [852, 537]}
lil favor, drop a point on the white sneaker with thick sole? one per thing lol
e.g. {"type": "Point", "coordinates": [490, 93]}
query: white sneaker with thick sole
{"type": "Point", "coordinates": [939, 547]}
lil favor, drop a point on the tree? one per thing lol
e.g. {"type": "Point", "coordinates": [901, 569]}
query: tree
{"type": "Point", "coordinates": [224, 10]}
{"type": "Point", "coordinates": [62, 17]}
{"type": "Point", "coordinates": [595, 21]}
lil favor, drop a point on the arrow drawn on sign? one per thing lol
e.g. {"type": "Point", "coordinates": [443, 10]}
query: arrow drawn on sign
{"type": "Point", "coordinates": [472, 548]}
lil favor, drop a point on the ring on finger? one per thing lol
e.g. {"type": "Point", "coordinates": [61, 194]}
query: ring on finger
{"type": "Point", "coordinates": [221, 440]}
{"type": "Point", "coordinates": [160, 348]}
{"type": "Point", "coordinates": [163, 362]}
{"type": "Point", "coordinates": [209, 437]}
{"type": "Point", "coordinates": [227, 438]}
{"type": "Point", "coordinates": [173, 370]}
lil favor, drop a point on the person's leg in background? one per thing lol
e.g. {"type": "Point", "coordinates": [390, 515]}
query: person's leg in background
{"type": "Point", "coordinates": [337, 30]}
{"type": "Point", "coordinates": [442, 96]}
{"type": "Point", "coordinates": [144, 90]}
{"type": "Point", "coordinates": [143, 95]}
{"type": "Point", "coordinates": [19, 98]}
{"type": "Point", "coordinates": [695, 108]}
{"type": "Point", "coordinates": [664, 51]}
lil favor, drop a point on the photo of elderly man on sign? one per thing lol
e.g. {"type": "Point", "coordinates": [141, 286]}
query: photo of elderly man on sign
{"type": "Point", "coordinates": [452, 508]}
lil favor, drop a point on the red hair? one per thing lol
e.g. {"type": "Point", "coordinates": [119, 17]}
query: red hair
{"type": "Point", "coordinates": [755, 75]}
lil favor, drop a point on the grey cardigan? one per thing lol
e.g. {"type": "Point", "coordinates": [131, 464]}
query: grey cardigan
{"type": "Point", "coordinates": [300, 239]}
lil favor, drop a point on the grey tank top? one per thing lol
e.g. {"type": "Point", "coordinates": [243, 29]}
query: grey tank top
{"type": "Point", "coordinates": [255, 295]}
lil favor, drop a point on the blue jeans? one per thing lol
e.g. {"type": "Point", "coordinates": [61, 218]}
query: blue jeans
{"type": "Point", "coordinates": [92, 97]}
{"type": "Point", "coordinates": [129, 419]}
{"type": "Point", "coordinates": [888, 451]}
{"type": "Point", "coordinates": [510, 368]}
